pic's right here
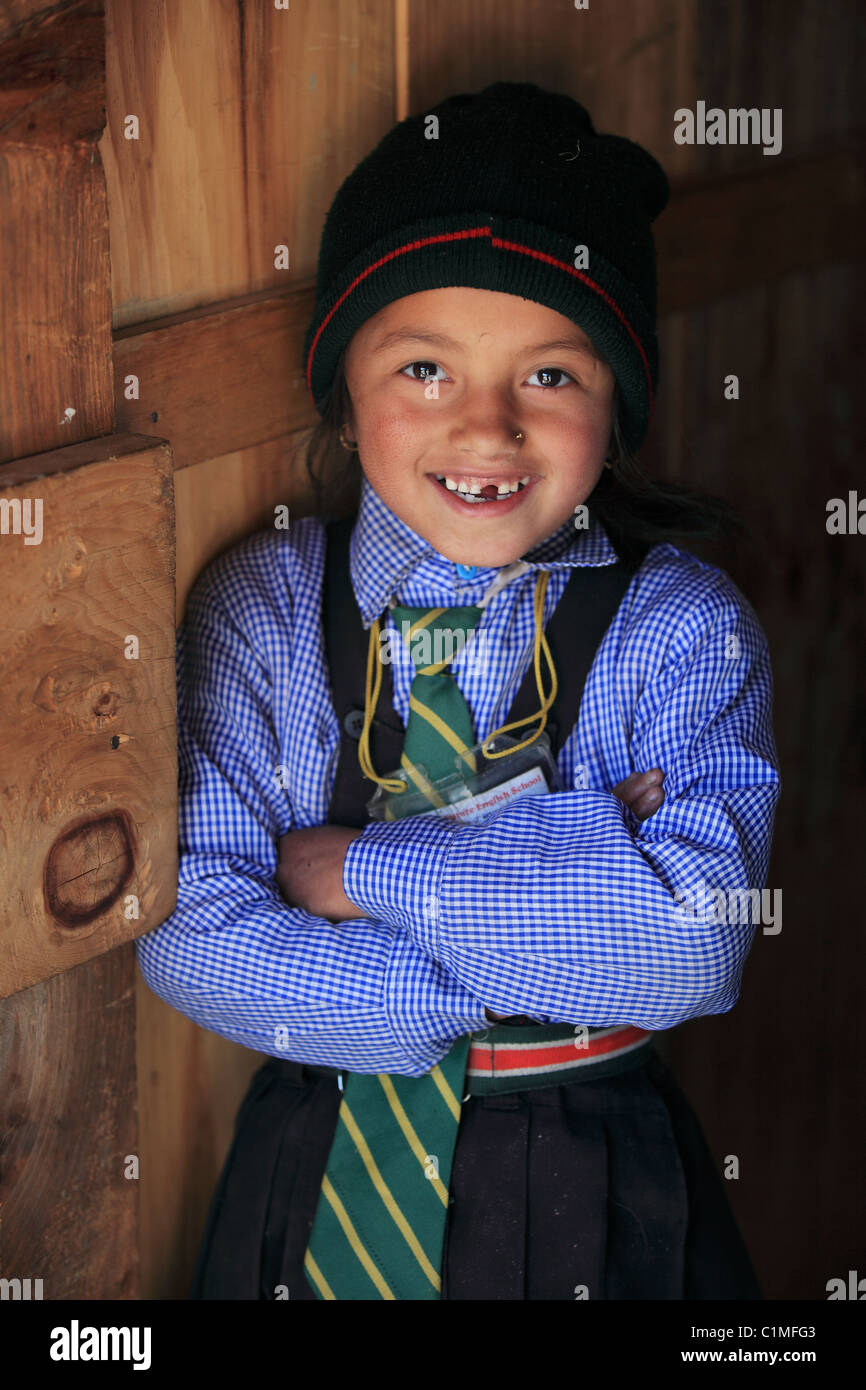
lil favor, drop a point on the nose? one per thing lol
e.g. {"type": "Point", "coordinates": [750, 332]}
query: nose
{"type": "Point", "coordinates": [486, 424]}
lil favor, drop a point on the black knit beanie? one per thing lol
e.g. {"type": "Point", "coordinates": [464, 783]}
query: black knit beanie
{"type": "Point", "coordinates": [517, 181]}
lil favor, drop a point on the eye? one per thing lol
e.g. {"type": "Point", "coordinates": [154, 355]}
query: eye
{"type": "Point", "coordinates": [428, 373]}
{"type": "Point", "coordinates": [428, 370]}
{"type": "Point", "coordinates": [551, 372]}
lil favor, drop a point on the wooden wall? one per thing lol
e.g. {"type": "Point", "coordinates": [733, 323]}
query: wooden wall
{"type": "Point", "coordinates": [248, 119]}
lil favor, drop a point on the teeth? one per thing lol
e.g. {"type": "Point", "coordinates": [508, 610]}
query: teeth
{"type": "Point", "coordinates": [474, 489]}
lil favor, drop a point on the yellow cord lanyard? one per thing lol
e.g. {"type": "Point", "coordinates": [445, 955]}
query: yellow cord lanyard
{"type": "Point", "coordinates": [374, 681]}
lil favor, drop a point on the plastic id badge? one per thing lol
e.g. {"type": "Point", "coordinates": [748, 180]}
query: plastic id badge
{"type": "Point", "coordinates": [465, 795]}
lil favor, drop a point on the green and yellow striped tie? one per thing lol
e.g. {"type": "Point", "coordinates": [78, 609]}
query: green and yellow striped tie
{"type": "Point", "coordinates": [380, 1221]}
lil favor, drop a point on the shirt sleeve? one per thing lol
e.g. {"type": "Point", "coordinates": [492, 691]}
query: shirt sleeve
{"type": "Point", "coordinates": [565, 906]}
{"type": "Point", "coordinates": [233, 956]}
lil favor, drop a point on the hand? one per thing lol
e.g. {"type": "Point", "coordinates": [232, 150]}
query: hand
{"type": "Point", "coordinates": [310, 871]}
{"type": "Point", "coordinates": [643, 793]}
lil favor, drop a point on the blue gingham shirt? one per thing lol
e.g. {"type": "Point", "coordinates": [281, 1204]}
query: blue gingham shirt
{"type": "Point", "coordinates": [561, 906]}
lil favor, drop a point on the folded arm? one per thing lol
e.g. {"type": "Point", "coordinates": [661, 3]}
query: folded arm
{"type": "Point", "coordinates": [567, 908]}
{"type": "Point", "coordinates": [360, 994]}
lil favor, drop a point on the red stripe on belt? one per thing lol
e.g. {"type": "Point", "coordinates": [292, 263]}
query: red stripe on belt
{"type": "Point", "coordinates": [511, 1058]}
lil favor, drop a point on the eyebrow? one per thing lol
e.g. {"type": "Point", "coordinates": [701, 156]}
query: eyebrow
{"type": "Point", "coordinates": [407, 335]}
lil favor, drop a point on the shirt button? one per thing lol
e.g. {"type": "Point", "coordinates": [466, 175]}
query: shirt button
{"type": "Point", "coordinates": [353, 723]}
{"type": "Point", "coordinates": [467, 571]}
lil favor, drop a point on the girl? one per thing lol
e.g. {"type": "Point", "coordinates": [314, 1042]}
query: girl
{"type": "Point", "coordinates": [458, 995]}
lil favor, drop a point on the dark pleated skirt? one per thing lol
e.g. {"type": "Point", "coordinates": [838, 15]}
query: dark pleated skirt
{"type": "Point", "coordinates": [594, 1189]}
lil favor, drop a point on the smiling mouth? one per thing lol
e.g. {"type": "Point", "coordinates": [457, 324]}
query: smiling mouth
{"type": "Point", "coordinates": [477, 491]}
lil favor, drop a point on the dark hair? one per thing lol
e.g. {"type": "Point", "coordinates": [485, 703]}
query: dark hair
{"type": "Point", "coordinates": [634, 509]}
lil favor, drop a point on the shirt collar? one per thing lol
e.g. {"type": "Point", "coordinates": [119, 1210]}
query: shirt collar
{"type": "Point", "coordinates": [386, 554]}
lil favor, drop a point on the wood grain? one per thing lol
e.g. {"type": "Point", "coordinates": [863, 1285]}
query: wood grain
{"type": "Point", "coordinates": [634, 65]}
{"type": "Point", "coordinates": [191, 1082]}
{"type": "Point", "coordinates": [89, 787]}
{"type": "Point", "coordinates": [249, 119]}
{"type": "Point", "coordinates": [55, 305]}
{"type": "Point", "coordinates": [740, 231]}
{"type": "Point", "coordinates": [68, 1194]}
{"type": "Point", "coordinates": [218, 380]}
{"type": "Point", "coordinates": [773, 1081]}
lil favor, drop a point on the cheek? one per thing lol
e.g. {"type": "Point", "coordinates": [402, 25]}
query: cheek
{"type": "Point", "coordinates": [576, 441]}
{"type": "Point", "coordinates": [390, 438]}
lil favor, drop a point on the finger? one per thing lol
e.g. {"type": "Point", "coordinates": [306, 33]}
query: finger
{"type": "Point", "coordinates": [648, 804]}
{"type": "Point", "coordinates": [644, 784]}
{"type": "Point", "coordinates": [636, 784]}
{"type": "Point", "coordinates": [642, 781]}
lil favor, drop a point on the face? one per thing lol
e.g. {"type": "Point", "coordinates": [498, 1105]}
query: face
{"type": "Point", "coordinates": [441, 382]}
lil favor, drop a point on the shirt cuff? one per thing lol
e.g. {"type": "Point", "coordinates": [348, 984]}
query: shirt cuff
{"type": "Point", "coordinates": [394, 872]}
{"type": "Point", "coordinates": [428, 1009]}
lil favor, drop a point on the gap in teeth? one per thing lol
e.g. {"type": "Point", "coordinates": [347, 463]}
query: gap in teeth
{"type": "Point", "coordinates": [474, 489]}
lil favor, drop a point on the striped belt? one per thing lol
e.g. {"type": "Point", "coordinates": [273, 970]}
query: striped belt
{"type": "Point", "coordinates": [504, 1059]}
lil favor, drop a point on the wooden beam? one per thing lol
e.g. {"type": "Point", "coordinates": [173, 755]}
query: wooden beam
{"type": "Point", "coordinates": [55, 266]}
{"type": "Point", "coordinates": [87, 704]}
{"type": "Point", "coordinates": [68, 1181]}
{"type": "Point", "coordinates": [230, 376]}
{"type": "Point", "coordinates": [722, 237]}
{"type": "Point", "coordinates": [218, 379]}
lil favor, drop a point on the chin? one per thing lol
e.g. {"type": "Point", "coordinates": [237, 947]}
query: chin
{"type": "Point", "coordinates": [493, 555]}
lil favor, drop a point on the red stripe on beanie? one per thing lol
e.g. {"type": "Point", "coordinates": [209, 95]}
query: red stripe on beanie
{"type": "Point", "coordinates": [579, 275]}
{"type": "Point", "coordinates": [495, 241]}
{"type": "Point", "coordinates": [399, 251]}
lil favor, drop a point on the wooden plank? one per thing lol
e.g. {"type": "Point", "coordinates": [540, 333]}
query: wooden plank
{"type": "Point", "coordinates": [224, 500]}
{"type": "Point", "coordinates": [775, 1077]}
{"type": "Point", "coordinates": [52, 77]}
{"type": "Point", "coordinates": [218, 380]}
{"type": "Point", "coordinates": [191, 1081]}
{"type": "Point", "coordinates": [633, 66]}
{"type": "Point", "coordinates": [75, 456]}
{"type": "Point", "coordinates": [55, 305]}
{"type": "Point", "coordinates": [69, 1123]}
{"type": "Point", "coordinates": [250, 116]}
{"type": "Point", "coordinates": [87, 650]}
{"type": "Point", "coordinates": [15, 13]}
{"type": "Point", "coordinates": [73, 811]}
{"type": "Point", "coordinates": [735, 233]}
{"type": "Point", "coordinates": [230, 377]}
{"type": "Point", "coordinates": [190, 1084]}
{"type": "Point", "coordinates": [628, 64]}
